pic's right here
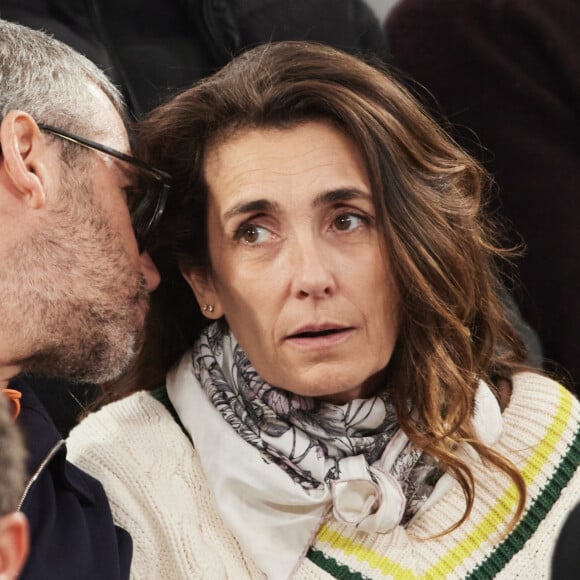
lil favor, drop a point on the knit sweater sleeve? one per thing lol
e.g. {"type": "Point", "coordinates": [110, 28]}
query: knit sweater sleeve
{"type": "Point", "coordinates": [157, 491]}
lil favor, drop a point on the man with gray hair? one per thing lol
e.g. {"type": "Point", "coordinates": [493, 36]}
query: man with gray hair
{"type": "Point", "coordinates": [75, 213]}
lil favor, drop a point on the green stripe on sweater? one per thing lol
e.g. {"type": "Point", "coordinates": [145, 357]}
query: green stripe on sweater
{"type": "Point", "coordinates": [505, 550]}
{"type": "Point", "coordinates": [516, 540]}
{"type": "Point", "coordinates": [331, 566]}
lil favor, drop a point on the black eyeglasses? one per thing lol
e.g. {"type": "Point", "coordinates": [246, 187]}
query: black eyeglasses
{"type": "Point", "coordinates": [148, 202]}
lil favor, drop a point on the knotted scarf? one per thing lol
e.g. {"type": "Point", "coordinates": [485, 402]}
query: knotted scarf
{"type": "Point", "coordinates": [278, 463]}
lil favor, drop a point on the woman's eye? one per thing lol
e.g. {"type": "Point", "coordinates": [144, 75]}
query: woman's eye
{"type": "Point", "coordinates": [252, 234]}
{"type": "Point", "coordinates": [347, 221]}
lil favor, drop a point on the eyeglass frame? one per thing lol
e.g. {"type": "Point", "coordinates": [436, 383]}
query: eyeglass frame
{"type": "Point", "coordinates": [157, 174]}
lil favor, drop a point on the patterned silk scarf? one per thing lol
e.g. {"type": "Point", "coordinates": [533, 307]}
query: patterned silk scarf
{"type": "Point", "coordinates": [284, 460]}
{"type": "Point", "coordinates": [305, 437]}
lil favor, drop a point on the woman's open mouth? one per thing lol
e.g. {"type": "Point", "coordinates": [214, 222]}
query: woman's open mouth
{"type": "Point", "coordinates": [321, 337]}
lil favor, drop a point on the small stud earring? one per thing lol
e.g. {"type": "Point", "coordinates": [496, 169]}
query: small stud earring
{"type": "Point", "coordinates": [207, 308]}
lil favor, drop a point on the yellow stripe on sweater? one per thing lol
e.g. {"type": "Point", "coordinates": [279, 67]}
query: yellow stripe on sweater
{"type": "Point", "coordinates": [498, 514]}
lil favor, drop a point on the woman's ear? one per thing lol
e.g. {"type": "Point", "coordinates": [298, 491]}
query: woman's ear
{"type": "Point", "coordinates": [203, 287]}
{"type": "Point", "coordinates": [25, 158]}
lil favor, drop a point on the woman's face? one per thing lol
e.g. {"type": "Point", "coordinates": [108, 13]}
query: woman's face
{"type": "Point", "coordinates": [297, 268]}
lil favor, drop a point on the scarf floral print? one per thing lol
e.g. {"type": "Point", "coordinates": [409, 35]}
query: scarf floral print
{"type": "Point", "coordinates": [289, 429]}
{"type": "Point", "coordinates": [286, 463]}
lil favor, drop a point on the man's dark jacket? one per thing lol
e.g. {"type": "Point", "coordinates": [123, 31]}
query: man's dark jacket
{"type": "Point", "coordinates": [71, 526]}
{"type": "Point", "coordinates": [566, 559]}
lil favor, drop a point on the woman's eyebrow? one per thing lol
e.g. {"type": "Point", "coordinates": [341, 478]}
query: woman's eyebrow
{"type": "Point", "coordinates": [251, 206]}
{"type": "Point", "coordinates": [341, 194]}
{"type": "Point", "coordinates": [324, 198]}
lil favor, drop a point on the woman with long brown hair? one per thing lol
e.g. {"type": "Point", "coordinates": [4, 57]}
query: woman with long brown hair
{"type": "Point", "coordinates": [356, 402]}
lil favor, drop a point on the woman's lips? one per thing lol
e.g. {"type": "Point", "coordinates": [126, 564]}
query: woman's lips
{"type": "Point", "coordinates": [320, 337]}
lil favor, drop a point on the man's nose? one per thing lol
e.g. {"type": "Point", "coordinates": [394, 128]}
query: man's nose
{"type": "Point", "coordinates": [149, 271]}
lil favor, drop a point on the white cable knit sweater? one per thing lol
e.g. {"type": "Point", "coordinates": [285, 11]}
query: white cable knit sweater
{"type": "Point", "coordinates": [158, 492]}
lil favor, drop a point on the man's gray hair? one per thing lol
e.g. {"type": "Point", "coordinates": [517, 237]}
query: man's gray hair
{"type": "Point", "coordinates": [12, 457]}
{"type": "Point", "coordinates": [49, 80]}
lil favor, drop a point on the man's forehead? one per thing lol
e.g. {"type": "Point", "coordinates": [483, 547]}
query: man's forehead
{"type": "Point", "coordinates": [112, 130]}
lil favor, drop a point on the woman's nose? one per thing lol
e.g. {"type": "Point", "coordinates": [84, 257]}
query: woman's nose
{"type": "Point", "coordinates": [313, 274]}
{"type": "Point", "coordinates": [149, 271]}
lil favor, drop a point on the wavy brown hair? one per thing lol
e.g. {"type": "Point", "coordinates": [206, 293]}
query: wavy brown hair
{"type": "Point", "coordinates": [428, 202]}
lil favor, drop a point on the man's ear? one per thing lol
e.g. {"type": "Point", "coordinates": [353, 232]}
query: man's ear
{"type": "Point", "coordinates": [14, 542]}
{"type": "Point", "coordinates": [207, 297]}
{"type": "Point", "coordinates": [25, 157]}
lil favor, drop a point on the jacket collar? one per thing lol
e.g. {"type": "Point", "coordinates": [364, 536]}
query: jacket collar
{"type": "Point", "coordinates": [40, 433]}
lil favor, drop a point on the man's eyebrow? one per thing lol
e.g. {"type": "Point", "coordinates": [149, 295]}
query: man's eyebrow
{"type": "Point", "coordinates": [342, 194]}
{"type": "Point", "coordinates": [128, 171]}
{"type": "Point", "coordinates": [251, 206]}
